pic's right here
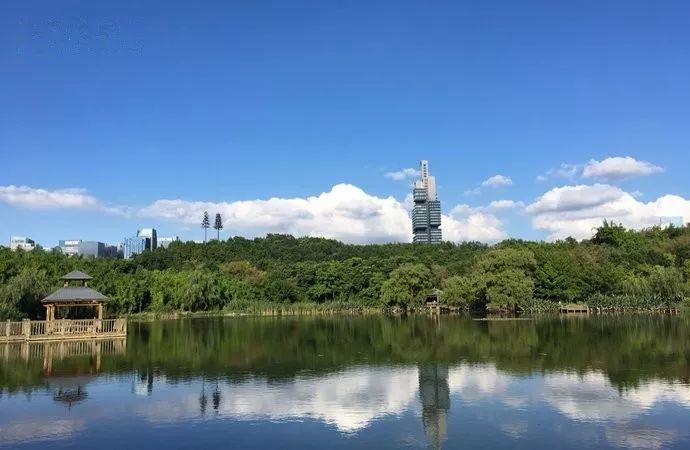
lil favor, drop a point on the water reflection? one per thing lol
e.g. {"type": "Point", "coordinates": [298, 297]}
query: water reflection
{"type": "Point", "coordinates": [435, 398]}
{"type": "Point", "coordinates": [448, 398]}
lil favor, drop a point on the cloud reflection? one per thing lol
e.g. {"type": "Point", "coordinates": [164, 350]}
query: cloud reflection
{"type": "Point", "coordinates": [349, 400]}
{"type": "Point", "coordinates": [353, 399]}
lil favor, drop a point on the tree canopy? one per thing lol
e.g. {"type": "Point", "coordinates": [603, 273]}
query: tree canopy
{"type": "Point", "coordinates": [617, 268]}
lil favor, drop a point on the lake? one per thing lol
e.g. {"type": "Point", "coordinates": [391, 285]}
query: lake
{"type": "Point", "coordinates": [356, 382]}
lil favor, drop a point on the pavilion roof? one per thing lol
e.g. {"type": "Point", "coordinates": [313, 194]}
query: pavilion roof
{"type": "Point", "coordinates": [76, 275]}
{"type": "Point", "coordinates": [74, 293]}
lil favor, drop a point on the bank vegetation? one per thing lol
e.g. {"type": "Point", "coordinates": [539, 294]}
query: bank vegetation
{"type": "Point", "coordinates": [618, 269]}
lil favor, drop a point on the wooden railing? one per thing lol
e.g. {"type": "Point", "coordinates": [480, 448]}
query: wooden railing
{"type": "Point", "coordinates": [60, 349]}
{"type": "Point", "coordinates": [61, 329]}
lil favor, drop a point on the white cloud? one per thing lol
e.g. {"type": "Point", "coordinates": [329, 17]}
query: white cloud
{"type": "Point", "coordinates": [505, 204]}
{"type": "Point", "coordinates": [35, 198]}
{"type": "Point", "coordinates": [471, 224]}
{"type": "Point", "coordinates": [497, 181]}
{"type": "Point", "coordinates": [492, 182]}
{"type": "Point", "coordinates": [565, 170]}
{"type": "Point", "coordinates": [402, 174]}
{"type": "Point", "coordinates": [577, 210]}
{"type": "Point", "coordinates": [574, 198]}
{"type": "Point", "coordinates": [346, 213]}
{"type": "Point", "coordinates": [618, 168]}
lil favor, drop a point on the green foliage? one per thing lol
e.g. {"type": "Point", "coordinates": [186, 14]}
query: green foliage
{"type": "Point", "coordinates": [510, 289]}
{"type": "Point", "coordinates": [460, 291]}
{"type": "Point", "coordinates": [650, 267]}
{"type": "Point", "coordinates": [21, 296]}
{"type": "Point", "coordinates": [506, 278]}
{"type": "Point", "coordinates": [407, 285]}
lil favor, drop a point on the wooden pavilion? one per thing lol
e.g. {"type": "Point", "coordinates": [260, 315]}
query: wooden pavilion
{"type": "Point", "coordinates": [75, 293]}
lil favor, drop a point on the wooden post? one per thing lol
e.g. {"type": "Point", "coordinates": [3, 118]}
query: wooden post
{"type": "Point", "coordinates": [62, 331]}
{"type": "Point", "coordinates": [7, 329]}
{"type": "Point", "coordinates": [26, 328]}
{"type": "Point", "coordinates": [99, 323]}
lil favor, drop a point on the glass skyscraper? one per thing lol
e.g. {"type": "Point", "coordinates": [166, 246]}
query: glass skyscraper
{"type": "Point", "coordinates": [135, 245]}
{"type": "Point", "coordinates": [426, 214]}
{"type": "Point", "coordinates": [151, 234]}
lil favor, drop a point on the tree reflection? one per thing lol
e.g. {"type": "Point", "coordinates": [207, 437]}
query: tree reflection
{"type": "Point", "coordinates": [203, 399]}
{"type": "Point", "coordinates": [216, 397]}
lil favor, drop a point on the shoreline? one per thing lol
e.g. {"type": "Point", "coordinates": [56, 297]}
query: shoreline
{"type": "Point", "coordinates": [364, 311]}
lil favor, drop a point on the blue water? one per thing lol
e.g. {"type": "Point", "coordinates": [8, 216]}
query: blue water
{"type": "Point", "coordinates": [453, 383]}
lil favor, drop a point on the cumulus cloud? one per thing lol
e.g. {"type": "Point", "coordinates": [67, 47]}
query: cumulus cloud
{"type": "Point", "coordinates": [402, 174]}
{"type": "Point", "coordinates": [35, 198]}
{"type": "Point", "coordinates": [618, 168]}
{"type": "Point", "coordinates": [346, 213]}
{"type": "Point", "coordinates": [577, 210]}
{"type": "Point", "coordinates": [497, 181]}
{"type": "Point", "coordinates": [465, 223]}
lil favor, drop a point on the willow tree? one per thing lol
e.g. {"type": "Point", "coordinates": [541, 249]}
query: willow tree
{"type": "Point", "coordinates": [205, 224]}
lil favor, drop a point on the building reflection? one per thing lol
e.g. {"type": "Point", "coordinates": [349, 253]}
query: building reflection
{"type": "Point", "coordinates": [434, 395]}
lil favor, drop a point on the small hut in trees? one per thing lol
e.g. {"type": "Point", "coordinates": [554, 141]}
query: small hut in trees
{"type": "Point", "coordinates": [74, 293]}
{"type": "Point", "coordinates": [433, 298]}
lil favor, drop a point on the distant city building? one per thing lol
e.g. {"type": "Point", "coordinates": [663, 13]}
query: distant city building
{"type": "Point", "coordinates": [69, 247]}
{"type": "Point", "coordinates": [149, 233]}
{"type": "Point", "coordinates": [113, 251]}
{"type": "Point", "coordinates": [164, 242]}
{"type": "Point", "coordinates": [426, 214]}
{"type": "Point", "coordinates": [93, 249]}
{"type": "Point", "coordinates": [135, 245]}
{"type": "Point", "coordinates": [22, 243]}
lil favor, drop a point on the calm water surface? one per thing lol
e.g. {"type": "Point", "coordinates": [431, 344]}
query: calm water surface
{"type": "Point", "coordinates": [356, 382]}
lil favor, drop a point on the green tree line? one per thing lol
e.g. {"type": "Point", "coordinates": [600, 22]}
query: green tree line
{"type": "Point", "coordinates": [616, 269]}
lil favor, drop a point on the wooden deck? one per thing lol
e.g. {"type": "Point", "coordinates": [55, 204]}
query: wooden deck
{"type": "Point", "coordinates": [62, 329]}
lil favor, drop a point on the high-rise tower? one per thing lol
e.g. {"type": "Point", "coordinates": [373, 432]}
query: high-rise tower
{"type": "Point", "coordinates": [426, 214]}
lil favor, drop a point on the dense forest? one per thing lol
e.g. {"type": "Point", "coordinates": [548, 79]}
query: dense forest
{"type": "Point", "coordinates": [618, 268]}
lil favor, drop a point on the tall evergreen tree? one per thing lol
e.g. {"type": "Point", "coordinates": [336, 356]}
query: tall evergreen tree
{"type": "Point", "coordinates": [218, 225]}
{"type": "Point", "coordinates": [205, 224]}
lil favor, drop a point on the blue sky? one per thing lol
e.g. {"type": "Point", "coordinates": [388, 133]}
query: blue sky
{"type": "Point", "coordinates": [109, 108]}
